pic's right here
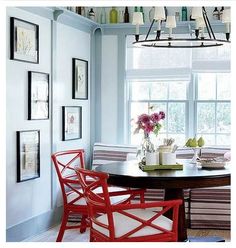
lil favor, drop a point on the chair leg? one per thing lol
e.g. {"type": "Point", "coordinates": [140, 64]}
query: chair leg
{"type": "Point", "coordinates": [83, 223]}
{"type": "Point", "coordinates": [62, 227]}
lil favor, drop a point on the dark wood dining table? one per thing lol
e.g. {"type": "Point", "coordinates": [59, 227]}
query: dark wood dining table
{"type": "Point", "coordinates": [128, 174]}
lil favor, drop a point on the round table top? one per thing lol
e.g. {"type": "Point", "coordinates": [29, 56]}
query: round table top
{"type": "Point", "coordinates": [129, 174]}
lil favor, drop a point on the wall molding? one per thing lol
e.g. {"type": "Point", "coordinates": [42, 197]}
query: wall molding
{"type": "Point", "coordinates": [34, 226]}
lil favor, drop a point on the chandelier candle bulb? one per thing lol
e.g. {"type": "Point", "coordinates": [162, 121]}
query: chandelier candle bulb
{"type": "Point", "coordinates": [159, 14]}
{"type": "Point", "coordinates": [137, 20]}
{"type": "Point", "coordinates": [170, 23]}
{"type": "Point", "coordinates": [196, 13]}
{"type": "Point", "coordinates": [226, 18]}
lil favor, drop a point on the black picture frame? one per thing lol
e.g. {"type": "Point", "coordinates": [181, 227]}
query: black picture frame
{"type": "Point", "coordinates": [24, 41]}
{"type": "Point", "coordinates": [28, 155]}
{"type": "Point", "coordinates": [38, 95]}
{"type": "Point", "coordinates": [71, 122]}
{"type": "Point", "coordinates": [79, 79]}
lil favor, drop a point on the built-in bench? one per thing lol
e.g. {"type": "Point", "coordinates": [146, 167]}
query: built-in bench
{"type": "Point", "coordinates": [205, 207]}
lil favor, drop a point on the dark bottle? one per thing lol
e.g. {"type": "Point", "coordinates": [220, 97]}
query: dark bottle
{"type": "Point", "coordinates": [91, 14]}
{"type": "Point", "coordinates": [221, 12]}
{"type": "Point", "coordinates": [126, 15]}
{"type": "Point", "coordinates": [184, 14]}
{"type": "Point", "coordinates": [78, 10]}
{"type": "Point", "coordinates": [135, 9]}
{"type": "Point", "coordinates": [216, 14]}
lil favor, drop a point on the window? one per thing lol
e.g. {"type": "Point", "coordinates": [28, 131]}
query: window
{"type": "Point", "coordinates": [195, 102]}
{"type": "Point", "coordinates": [167, 96]}
{"type": "Point", "coordinates": [213, 107]}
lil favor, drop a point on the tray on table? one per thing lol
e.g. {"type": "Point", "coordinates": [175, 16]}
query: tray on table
{"type": "Point", "coordinates": [176, 166]}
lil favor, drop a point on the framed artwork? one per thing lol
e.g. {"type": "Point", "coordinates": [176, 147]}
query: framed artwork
{"type": "Point", "coordinates": [28, 155]}
{"type": "Point", "coordinates": [71, 123]}
{"type": "Point", "coordinates": [24, 41]}
{"type": "Point", "coordinates": [80, 79]}
{"type": "Point", "coordinates": [38, 95]}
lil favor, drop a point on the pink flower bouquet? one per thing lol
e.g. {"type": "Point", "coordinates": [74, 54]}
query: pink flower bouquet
{"type": "Point", "coordinates": [149, 123]}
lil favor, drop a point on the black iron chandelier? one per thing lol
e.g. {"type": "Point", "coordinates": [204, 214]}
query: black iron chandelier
{"type": "Point", "coordinates": [200, 40]}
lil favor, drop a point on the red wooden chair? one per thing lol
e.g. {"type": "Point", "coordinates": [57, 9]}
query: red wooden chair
{"type": "Point", "coordinates": [134, 222]}
{"type": "Point", "coordinates": [66, 164]}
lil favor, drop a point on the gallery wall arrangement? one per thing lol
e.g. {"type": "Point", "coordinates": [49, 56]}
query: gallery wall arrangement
{"type": "Point", "coordinates": [25, 47]}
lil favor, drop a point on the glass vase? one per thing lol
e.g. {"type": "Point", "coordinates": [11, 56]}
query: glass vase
{"type": "Point", "coordinates": [146, 146]}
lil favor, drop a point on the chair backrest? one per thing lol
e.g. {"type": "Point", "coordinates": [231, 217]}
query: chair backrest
{"type": "Point", "coordinates": [98, 201]}
{"type": "Point", "coordinates": [66, 164]}
{"type": "Point", "coordinates": [108, 153]}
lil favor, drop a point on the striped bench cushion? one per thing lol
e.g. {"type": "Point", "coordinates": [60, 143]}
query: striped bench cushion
{"type": "Point", "coordinates": [209, 152]}
{"type": "Point", "coordinates": [108, 153]}
{"type": "Point", "coordinates": [210, 208]}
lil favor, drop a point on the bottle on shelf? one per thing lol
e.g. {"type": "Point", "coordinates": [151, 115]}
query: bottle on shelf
{"type": "Point", "coordinates": [103, 16]}
{"type": "Point", "coordinates": [221, 12]}
{"type": "Point", "coordinates": [126, 15]}
{"type": "Point", "coordinates": [141, 10]}
{"type": "Point", "coordinates": [184, 14]}
{"type": "Point", "coordinates": [78, 10]}
{"type": "Point", "coordinates": [120, 16]}
{"type": "Point", "coordinates": [135, 9]}
{"type": "Point", "coordinates": [91, 14]}
{"type": "Point", "coordinates": [216, 14]}
{"type": "Point", "coordinates": [83, 11]}
{"type": "Point", "coordinates": [113, 15]}
{"type": "Point", "coordinates": [73, 9]}
{"type": "Point", "coordinates": [177, 16]}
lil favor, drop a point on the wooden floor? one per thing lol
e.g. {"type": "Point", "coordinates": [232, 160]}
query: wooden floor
{"type": "Point", "coordinates": [75, 236]}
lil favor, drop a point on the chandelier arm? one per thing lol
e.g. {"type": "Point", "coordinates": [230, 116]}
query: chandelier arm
{"type": "Point", "coordinates": [149, 30]}
{"type": "Point", "coordinates": [205, 20]}
{"type": "Point", "coordinates": [209, 24]}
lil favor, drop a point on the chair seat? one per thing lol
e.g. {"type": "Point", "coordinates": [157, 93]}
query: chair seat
{"type": "Point", "coordinates": [124, 224]}
{"type": "Point", "coordinates": [114, 199]}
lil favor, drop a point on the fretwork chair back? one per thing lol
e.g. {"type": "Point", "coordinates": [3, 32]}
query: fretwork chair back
{"type": "Point", "coordinates": [66, 163]}
{"type": "Point", "coordinates": [133, 222]}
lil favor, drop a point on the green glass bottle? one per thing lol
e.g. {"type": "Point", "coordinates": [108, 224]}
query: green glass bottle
{"type": "Point", "coordinates": [184, 14]}
{"type": "Point", "coordinates": [141, 10]}
{"type": "Point", "coordinates": [113, 15]}
{"type": "Point", "coordinates": [135, 9]}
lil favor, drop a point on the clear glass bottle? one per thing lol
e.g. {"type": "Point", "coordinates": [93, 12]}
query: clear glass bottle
{"type": "Point", "coordinates": [121, 16]}
{"type": "Point", "coordinates": [177, 16]}
{"type": "Point", "coordinates": [184, 14]}
{"type": "Point", "coordinates": [103, 16]}
{"type": "Point", "coordinates": [126, 15]}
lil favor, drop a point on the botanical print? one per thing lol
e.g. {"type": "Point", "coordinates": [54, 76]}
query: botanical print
{"type": "Point", "coordinates": [39, 96]}
{"type": "Point", "coordinates": [28, 155]}
{"type": "Point", "coordinates": [25, 42]}
{"type": "Point", "coordinates": [80, 79]}
{"type": "Point", "coordinates": [72, 123]}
